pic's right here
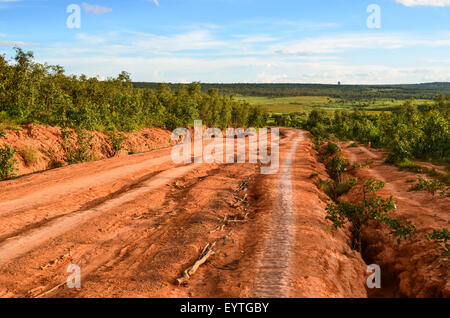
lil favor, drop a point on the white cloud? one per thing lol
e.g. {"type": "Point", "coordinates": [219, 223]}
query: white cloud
{"type": "Point", "coordinates": [346, 42]}
{"type": "Point", "coordinates": [423, 3]}
{"type": "Point", "coordinates": [95, 9]}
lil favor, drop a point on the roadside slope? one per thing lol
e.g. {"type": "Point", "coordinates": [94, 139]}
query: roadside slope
{"type": "Point", "coordinates": [414, 268]}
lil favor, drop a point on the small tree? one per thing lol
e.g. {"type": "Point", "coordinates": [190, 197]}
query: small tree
{"type": "Point", "coordinates": [7, 162]}
{"type": "Point", "coordinates": [371, 208]}
{"type": "Point", "coordinates": [336, 166]}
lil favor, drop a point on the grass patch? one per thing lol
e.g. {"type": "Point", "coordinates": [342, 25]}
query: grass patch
{"type": "Point", "coordinates": [407, 164]}
{"type": "Point", "coordinates": [29, 155]}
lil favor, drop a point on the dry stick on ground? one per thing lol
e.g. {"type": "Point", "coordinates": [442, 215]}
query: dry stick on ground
{"type": "Point", "coordinates": [49, 291]}
{"type": "Point", "coordinates": [54, 262]}
{"type": "Point", "coordinates": [206, 253]}
{"type": "Point", "coordinates": [226, 221]}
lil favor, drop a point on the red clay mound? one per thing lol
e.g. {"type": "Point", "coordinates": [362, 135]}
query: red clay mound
{"type": "Point", "coordinates": [41, 147]}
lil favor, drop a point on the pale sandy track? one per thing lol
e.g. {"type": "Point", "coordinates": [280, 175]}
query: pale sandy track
{"type": "Point", "coordinates": [275, 267]}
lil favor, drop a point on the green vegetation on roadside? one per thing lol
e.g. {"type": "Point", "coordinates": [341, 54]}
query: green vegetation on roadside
{"type": "Point", "coordinates": [408, 133]}
{"type": "Point", "coordinates": [441, 237]}
{"type": "Point", "coordinates": [370, 208]}
{"type": "Point", "coordinates": [7, 162]}
{"type": "Point", "coordinates": [80, 150]}
{"type": "Point", "coordinates": [431, 186]}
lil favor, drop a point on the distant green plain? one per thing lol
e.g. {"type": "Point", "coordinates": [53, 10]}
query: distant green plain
{"type": "Point", "coordinates": [308, 103]}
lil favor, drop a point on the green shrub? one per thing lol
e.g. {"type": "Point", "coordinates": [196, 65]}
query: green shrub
{"type": "Point", "coordinates": [353, 145]}
{"type": "Point", "coordinates": [333, 148]}
{"type": "Point", "coordinates": [336, 166]}
{"type": "Point", "coordinates": [116, 141]}
{"type": "Point", "coordinates": [8, 165]}
{"type": "Point", "coordinates": [431, 186]}
{"type": "Point", "coordinates": [336, 189]}
{"type": "Point", "coordinates": [80, 151]}
{"type": "Point", "coordinates": [356, 165]}
{"type": "Point", "coordinates": [370, 208]}
{"type": "Point", "coordinates": [441, 237]}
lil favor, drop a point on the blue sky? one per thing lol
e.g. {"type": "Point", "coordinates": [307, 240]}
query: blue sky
{"type": "Point", "coordinates": [306, 41]}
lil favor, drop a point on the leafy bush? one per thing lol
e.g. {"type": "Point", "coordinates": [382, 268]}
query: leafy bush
{"type": "Point", "coordinates": [370, 208]}
{"type": "Point", "coordinates": [332, 148]}
{"type": "Point", "coordinates": [116, 141]}
{"type": "Point", "coordinates": [7, 162]}
{"type": "Point", "coordinates": [336, 189]}
{"type": "Point", "coordinates": [336, 166]}
{"type": "Point", "coordinates": [356, 165]}
{"type": "Point", "coordinates": [441, 237]}
{"type": "Point", "coordinates": [80, 151]}
{"type": "Point", "coordinates": [431, 186]}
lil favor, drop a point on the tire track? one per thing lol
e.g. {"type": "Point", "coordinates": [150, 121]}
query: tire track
{"type": "Point", "coordinates": [274, 272]}
{"type": "Point", "coordinates": [18, 246]}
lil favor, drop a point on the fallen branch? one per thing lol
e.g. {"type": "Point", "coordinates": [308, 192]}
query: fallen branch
{"type": "Point", "coordinates": [54, 262]}
{"type": "Point", "coordinates": [206, 253]}
{"type": "Point", "coordinates": [50, 290]}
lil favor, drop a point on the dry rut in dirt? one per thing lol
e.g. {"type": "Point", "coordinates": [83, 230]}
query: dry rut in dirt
{"type": "Point", "coordinates": [134, 227]}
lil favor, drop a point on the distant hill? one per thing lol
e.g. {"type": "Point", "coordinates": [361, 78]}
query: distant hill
{"type": "Point", "coordinates": [401, 91]}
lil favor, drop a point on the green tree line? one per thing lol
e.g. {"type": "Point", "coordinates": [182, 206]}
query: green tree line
{"type": "Point", "coordinates": [358, 93]}
{"type": "Point", "coordinates": [408, 132]}
{"type": "Point", "coordinates": [31, 92]}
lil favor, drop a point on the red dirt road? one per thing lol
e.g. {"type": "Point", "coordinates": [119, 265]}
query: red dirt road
{"type": "Point", "coordinates": [134, 224]}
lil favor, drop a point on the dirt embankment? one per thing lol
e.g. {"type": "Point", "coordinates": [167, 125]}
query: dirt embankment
{"type": "Point", "coordinates": [325, 265]}
{"type": "Point", "coordinates": [413, 268]}
{"type": "Point", "coordinates": [42, 147]}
